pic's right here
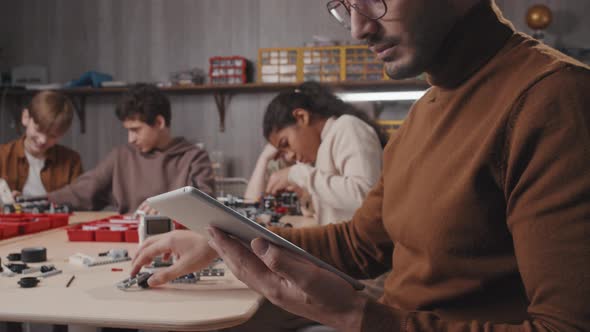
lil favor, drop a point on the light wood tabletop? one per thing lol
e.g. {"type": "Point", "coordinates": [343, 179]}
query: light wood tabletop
{"type": "Point", "coordinates": [93, 299]}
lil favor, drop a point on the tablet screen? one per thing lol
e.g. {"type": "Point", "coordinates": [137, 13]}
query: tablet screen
{"type": "Point", "coordinates": [197, 211]}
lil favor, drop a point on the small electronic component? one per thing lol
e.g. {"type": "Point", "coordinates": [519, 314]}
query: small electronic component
{"type": "Point", "coordinates": [114, 253]}
{"type": "Point", "coordinates": [140, 279]}
{"type": "Point", "coordinates": [37, 204]}
{"type": "Point", "coordinates": [16, 267]}
{"type": "Point", "coordinates": [150, 225]}
{"type": "Point", "coordinates": [14, 256]}
{"type": "Point", "coordinates": [190, 278]}
{"type": "Point", "coordinates": [268, 210]}
{"type": "Point", "coordinates": [110, 257]}
{"type": "Point", "coordinates": [81, 259]}
{"type": "Point", "coordinates": [33, 255]}
{"type": "Point", "coordinates": [42, 269]}
{"type": "Point", "coordinates": [49, 273]}
{"type": "Point", "coordinates": [28, 282]}
{"type": "Point", "coordinates": [211, 272]}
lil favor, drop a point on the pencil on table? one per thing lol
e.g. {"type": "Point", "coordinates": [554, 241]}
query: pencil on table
{"type": "Point", "coordinates": [70, 281]}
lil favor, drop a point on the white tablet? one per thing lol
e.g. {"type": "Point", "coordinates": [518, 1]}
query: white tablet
{"type": "Point", "coordinates": [197, 210]}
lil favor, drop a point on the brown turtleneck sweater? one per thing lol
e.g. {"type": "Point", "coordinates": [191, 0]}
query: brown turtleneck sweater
{"type": "Point", "coordinates": [483, 208]}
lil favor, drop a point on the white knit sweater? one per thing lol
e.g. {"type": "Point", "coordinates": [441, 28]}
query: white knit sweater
{"type": "Point", "coordinates": [347, 166]}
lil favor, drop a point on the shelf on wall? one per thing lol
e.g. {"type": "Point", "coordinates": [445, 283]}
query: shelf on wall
{"type": "Point", "coordinates": [221, 93]}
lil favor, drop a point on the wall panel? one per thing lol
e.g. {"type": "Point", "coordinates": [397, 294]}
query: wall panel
{"type": "Point", "coordinates": [146, 40]}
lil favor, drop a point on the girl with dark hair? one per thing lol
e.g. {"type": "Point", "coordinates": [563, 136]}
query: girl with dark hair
{"type": "Point", "coordinates": [336, 147]}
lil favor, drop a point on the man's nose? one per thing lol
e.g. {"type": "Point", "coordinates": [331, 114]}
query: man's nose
{"type": "Point", "coordinates": [361, 27]}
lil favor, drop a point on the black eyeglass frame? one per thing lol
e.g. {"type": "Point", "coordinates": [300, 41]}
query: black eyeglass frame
{"type": "Point", "coordinates": [331, 5]}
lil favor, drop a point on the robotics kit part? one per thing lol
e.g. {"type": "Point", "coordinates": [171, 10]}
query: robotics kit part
{"type": "Point", "coordinates": [16, 267]}
{"type": "Point", "coordinates": [28, 282]}
{"type": "Point", "coordinates": [190, 278]}
{"type": "Point", "coordinates": [140, 279]}
{"type": "Point", "coordinates": [33, 255]}
{"type": "Point", "coordinates": [42, 269]}
{"type": "Point", "coordinates": [150, 225]}
{"type": "Point", "coordinates": [14, 256]}
{"type": "Point", "coordinates": [114, 253]}
{"type": "Point", "coordinates": [113, 256]}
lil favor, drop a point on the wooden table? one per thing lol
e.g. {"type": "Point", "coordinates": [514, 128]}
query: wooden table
{"type": "Point", "coordinates": [93, 299]}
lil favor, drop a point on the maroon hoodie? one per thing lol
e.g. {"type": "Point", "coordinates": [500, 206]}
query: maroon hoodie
{"type": "Point", "coordinates": [127, 177]}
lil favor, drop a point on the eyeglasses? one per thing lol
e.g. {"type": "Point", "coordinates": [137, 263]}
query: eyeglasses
{"type": "Point", "coordinates": [371, 9]}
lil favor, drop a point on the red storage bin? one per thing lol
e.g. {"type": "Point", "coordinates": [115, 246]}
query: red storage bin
{"type": "Point", "coordinates": [14, 217]}
{"type": "Point", "coordinates": [9, 230]}
{"type": "Point", "coordinates": [229, 70]}
{"type": "Point", "coordinates": [131, 235]}
{"type": "Point", "coordinates": [59, 220]}
{"type": "Point", "coordinates": [113, 229]}
{"type": "Point", "coordinates": [43, 223]}
{"type": "Point", "coordinates": [29, 223]}
{"type": "Point", "coordinates": [75, 233]}
{"type": "Point", "coordinates": [28, 226]}
{"type": "Point", "coordinates": [106, 235]}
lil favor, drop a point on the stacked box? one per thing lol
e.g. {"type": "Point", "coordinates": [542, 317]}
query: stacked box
{"type": "Point", "coordinates": [321, 64]}
{"type": "Point", "coordinates": [278, 65]}
{"type": "Point", "coordinates": [228, 70]}
{"type": "Point", "coordinates": [362, 65]}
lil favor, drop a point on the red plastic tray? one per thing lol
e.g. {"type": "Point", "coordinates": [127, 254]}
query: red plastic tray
{"type": "Point", "coordinates": [75, 233]}
{"type": "Point", "coordinates": [9, 231]}
{"type": "Point", "coordinates": [131, 235]}
{"type": "Point", "coordinates": [126, 230]}
{"type": "Point", "coordinates": [15, 224]}
{"type": "Point", "coordinates": [109, 236]}
{"type": "Point", "coordinates": [59, 220]}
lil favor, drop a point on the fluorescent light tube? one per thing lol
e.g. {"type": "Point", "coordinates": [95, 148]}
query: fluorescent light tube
{"type": "Point", "coordinates": [381, 96]}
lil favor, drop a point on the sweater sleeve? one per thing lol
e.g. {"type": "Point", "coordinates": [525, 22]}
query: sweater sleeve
{"type": "Point", "coordinates": [201, 173]}
{"type": "Point", "coordinates": [360, 247]}
{"type": "Point", "coordinates": [547, 190]}
{"type": "Point", "coordinates": [90, 191]}
{"type": "Point", "coordinates": [356, 152]}
{"type": "Point", "coordinates": [76, 168]}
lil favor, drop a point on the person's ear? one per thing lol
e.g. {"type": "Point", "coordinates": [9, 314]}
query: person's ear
{"type": "Point", "coordinates": [302, 117]}
{"type": "Point", "coordinates": [25, 118]}
{"type": "Point", "coordinates": [160, 122]}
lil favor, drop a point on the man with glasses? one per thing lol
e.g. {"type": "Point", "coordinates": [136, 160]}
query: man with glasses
{"type": "Point", "coordinates": [483, 207]}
